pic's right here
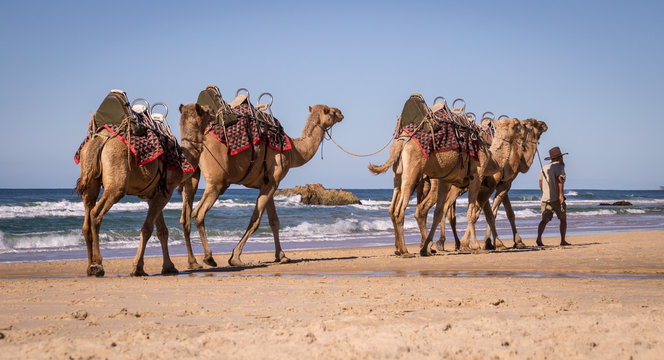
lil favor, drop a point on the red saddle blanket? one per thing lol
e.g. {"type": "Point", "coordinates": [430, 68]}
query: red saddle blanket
{"type": "Point", "coordinates": [449, 137]}
{"type": "Point", "coordinates": [245, 133]}
{"type": "Point", "coordinates": [146, 148]}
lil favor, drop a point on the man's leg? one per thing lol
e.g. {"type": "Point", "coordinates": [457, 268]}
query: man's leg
{"type": "Point", "coordinates": [563, 231]}
{"type": "Point", "coordinates": [547, 215]}
{"type": "Point", "coordinates": [561, 214]}
{"type": "Point", "coordinates": [540, 229]}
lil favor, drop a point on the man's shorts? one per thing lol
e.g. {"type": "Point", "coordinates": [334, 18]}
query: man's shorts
{"type": "Point", "coordinates": [550, 207]}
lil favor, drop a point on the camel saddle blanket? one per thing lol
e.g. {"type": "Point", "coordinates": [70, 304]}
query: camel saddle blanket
{"type": "Point", "coordinates": [450, 137]}
{"type": "Point", "coordinates": [245, 132]}
{"type": "Point", "coordinates": [146, 148]}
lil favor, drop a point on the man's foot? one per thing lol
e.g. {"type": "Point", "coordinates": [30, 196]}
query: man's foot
{"type": "Point", "coordinates": [564, 243]}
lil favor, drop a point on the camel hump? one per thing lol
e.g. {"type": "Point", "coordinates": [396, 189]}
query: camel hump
{"type": "Point", "coordinates": [211, 97]}
{"type": "Point", "coordinates": [415, 110]}
{"type": "Point", "coordinates": [113, 109]}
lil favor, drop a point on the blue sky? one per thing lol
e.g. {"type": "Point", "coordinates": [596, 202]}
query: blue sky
{"type": "Point", "coordinates": [592, 70]}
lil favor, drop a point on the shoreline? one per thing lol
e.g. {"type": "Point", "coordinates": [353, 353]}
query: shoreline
{"type": "Point", "coordinates": [381, 258]}
{"type": "Point", "coordinates": [349, 303]}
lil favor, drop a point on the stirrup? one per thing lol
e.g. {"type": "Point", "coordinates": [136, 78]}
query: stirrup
{"type": "Point", "coordinates": [139, 108]}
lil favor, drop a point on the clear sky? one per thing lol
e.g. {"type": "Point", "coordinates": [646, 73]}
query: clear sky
{"type": "Point", "coordinates": [592, 70]}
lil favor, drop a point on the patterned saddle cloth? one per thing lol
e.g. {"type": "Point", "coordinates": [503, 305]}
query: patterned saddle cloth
{"type": "Point", "coordinates": [146, 148]}
{"type": "Point", "coordinates": [450, 136]}
{"type": "Point", "coordinates": [249, 130]}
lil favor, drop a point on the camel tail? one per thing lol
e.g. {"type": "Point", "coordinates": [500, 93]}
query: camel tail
{"type": "Point", "coordinates": [90, 164]}
{"type": "Point", "coordinates": [395, 154]}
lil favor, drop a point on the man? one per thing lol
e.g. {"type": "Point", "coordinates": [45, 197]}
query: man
{"type": "Point", "coordinates": [551, 182]}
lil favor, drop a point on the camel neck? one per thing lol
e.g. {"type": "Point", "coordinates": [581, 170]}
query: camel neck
{"type": "Point", "coordinates": [306, 146]}
{"type": "Point", "coordinates": [192, 151]}
{"type": "Point", "coordinates": [528, 156]}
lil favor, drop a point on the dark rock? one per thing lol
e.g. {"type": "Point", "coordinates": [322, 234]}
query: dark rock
{"type": "Point", "coordinates": [617, 203]}
{"type": "Point", "coordinates": [316, 194]}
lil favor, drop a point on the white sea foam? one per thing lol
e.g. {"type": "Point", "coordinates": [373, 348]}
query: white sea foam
{"type": "Point", "coordinates": [635, 211]}
{"type": "Point", "coordinates": [46, 240]}
{"type": "Point", "coordinates": [572, 193]}
{"type": "Point", "coordinates": [288, 200]}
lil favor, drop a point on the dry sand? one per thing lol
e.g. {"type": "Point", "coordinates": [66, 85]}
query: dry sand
{"type": "Point", "coordinates": [553, 303]}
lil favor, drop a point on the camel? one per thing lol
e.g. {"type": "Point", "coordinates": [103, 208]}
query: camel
{"type": "Point", "coordinates": [221, 170]}
{"type": "Point", "coordinates": [107, 162]}
{"type": "Point", "coordinates": [520, 162]}
{"type": "Point", "coordinates": [454, 167]}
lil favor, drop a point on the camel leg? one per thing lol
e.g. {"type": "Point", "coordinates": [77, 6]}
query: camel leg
{"type": "Point", "coordinates": [450, 195]}
{"type": "Point", "coordinates": [396, 201]}
{"type": "Point", "coordinates": [265, 196]}
{"type": "Point", "coordinates": [167, 268]}
{"type": "Point", "coordinates": [108, 199]}
{"type": "Point", "coordinates": [452, 219]}
{"type": "Point", "coordinates": [188, 192]}
{"type": "Point", "coordinates": [472, 214]}
{"type": "Point", "coordinates": [491, 222]}
{"type": "Point", "coordinates": [518, 243]}
{"type": "Point", "coordinates": [211, 194]}
{"type": "Point", "coordinates": [155, 206]}
{"type": "Point", "coordinates": [425, 202]}
{"type": "Point", "coordinates": [279, 255]}
{"type": "Point", "coordinates": [408, 183]}
{"type": "Point", "coordinates": [441, 199]}
{"type": "Point", "coordinates": [494, 211]}
{"type": "Point", "coordinates": [89, 200]}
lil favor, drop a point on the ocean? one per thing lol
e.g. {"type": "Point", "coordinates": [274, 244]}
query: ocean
{"type": "Point", "coordinates": [45, 224]}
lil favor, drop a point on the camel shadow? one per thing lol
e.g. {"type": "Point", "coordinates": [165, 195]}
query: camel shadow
{"type": "Point", "coordinates": [534, 248]}
{"type": "Point", "coordinates": [262, 265]}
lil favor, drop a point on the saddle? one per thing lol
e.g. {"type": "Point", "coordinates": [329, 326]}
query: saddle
{"type": "Point", "coordinates": [146, 132]}
{"type": "Point", "coordinates": [240, 125]}
{"type": "Point", "coordinates": [440, 128]}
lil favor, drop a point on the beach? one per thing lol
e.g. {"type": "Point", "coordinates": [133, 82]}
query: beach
{"type": "Point", "coordinates": [602, 297]}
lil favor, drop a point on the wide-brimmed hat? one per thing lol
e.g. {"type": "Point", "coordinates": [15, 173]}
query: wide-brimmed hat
{"type": "Point", "coordinates": [554, 153]}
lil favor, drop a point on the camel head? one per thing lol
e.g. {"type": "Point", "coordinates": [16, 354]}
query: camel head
{"type": "Point", "coordinates": [194, 119]}
{"type": "Point", "coordinates": [324, 116]}
{"type": "Point", "coordinates": [508, 129]}
{"type": "Point", "coordinates": [532, 130]}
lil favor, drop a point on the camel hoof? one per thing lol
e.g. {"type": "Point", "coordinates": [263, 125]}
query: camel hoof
{"type": "Point", "coordinates": [169, 271]}
{"type": "Point", "coordinates": [194, 266]}
{"type": "Point", "coordinates": [210, 261]}
{"type": "Point", "coordinates": [235, 262]}
{"type": "Point", "coordinates": [138, 272]}
{"type": "Point", "coordinates": [96, 270]}
{"type": "Point", "coordinates": [520, 245]}
{"type": "Point", "coordinates": [403, 254]}
{"type": "Point", "coordinates": [440, 245]}
{"type": "Point", "coordinates": [284, 260]}
{"type": "Point", "coordinates": [488, 245]}
{"type": "Point", "coordinates": [424, 252]}
{"type": "Point", "coordinates": [465, 249]}
{"type": "Point", "coordinates": [500, 247]}
{"type": "Point", "coordinates": [540, 244]}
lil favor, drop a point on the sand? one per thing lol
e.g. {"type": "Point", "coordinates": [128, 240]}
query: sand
{"type": "Point", "coordinates": [601, 298]}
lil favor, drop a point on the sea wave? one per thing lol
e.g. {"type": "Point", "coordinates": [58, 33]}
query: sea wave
{"type": "Point", "coordinates": [42, 241]}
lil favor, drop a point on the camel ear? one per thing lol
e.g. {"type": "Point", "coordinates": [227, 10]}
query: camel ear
{"type": "Point", "coordinates": [199, 109]}
{"type": "Point", "coordinates": [181, 106]}
{"type": "Point", "coordinates": [326, 110]}
{"type": "Point", "coordinates": [310, 108]}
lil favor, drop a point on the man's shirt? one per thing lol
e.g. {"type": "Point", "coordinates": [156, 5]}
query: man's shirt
{"type": "Point", "coordinates": [549, 183]}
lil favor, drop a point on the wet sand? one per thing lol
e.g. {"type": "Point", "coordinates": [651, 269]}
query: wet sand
{"type": "Point", "coordinates": [603, 297]}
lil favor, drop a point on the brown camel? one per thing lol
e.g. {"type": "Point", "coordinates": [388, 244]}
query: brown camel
{"type": "Point", "coordinates": [409, 165]}
{"type": "Point", "coordinates": [221, 170]}
{"type": "Point", "coordinates": [107, 162]}
{"type": "Point", "coordinates": [520, 162]}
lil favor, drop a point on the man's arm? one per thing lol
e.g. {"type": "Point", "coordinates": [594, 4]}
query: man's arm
{"type": "Point", "coordinates": [561, 194]}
